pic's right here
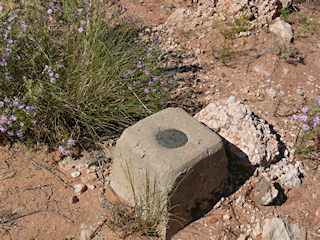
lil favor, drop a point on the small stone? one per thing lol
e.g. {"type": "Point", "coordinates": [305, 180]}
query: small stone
{"type": "Point", "coordinates": [240, 200]}
{"type": "Point", "coordinates": [231, 86]}
{"type": "Point", "coordinates": [260, 69]}
{"type": "Point", "coordinates": [300, 92]}
{"type": "Point", "coordinates": [85, 235]}
{"type": "Point", "coordinates": [75, 174]}
{"type": "Point", "coordinates": [243, 236]}
{"type": "Point", "coordinates": [311, 78]}
{"type": "Point", "coordinates": [74, 199]}
{"type": "Point", "coordinates": [265, 193]}
{"type": "Point", "coordinates": [80, 188]}
{"type": "Point", "coordinates": [169, 6]}
{"type": "Point", "coordinates": [91, 186]}
{"type": "Point", "coordinates": [271, 92]}
{"type": "Point", "coordinates": [226, 217]}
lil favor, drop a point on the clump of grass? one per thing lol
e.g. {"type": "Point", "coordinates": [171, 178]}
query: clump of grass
{"type": "Point", "coordinates": [285, 13]}
{"type": "Point", "coordinates": [83, 69]}
{"type": "Point", "coordinates": [285, 50]}
{"type": "Point", "coordinates": [308, 122]}
{"type": "Point", "coordinates": [229, 29]}
{"type": "Point", "coordinates": [146, 217]}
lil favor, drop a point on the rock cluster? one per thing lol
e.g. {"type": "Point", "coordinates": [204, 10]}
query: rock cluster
{"type": "Point", "coordinates": [236, 123]}
{"type": "Point", "coordinates": [276, 228]}
{"type": "Point", "coordinates": [287, 173]}
{"type": "Point", "coordinates": [260, 11]}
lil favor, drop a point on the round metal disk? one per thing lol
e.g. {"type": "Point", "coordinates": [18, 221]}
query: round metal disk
{"type": "Point", "coordinates": [172, 138]}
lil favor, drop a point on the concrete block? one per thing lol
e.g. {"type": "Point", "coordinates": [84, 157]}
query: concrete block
{"type": "Point", "coordinates": [170, 153]}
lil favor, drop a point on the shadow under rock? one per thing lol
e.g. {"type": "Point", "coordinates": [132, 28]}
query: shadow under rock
{"type": "Point", "coordinates": [239, 171]}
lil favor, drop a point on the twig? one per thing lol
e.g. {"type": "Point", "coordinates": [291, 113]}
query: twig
{"type": "Point", "coordinates": [28, 214]}
{"type": "Point", "coordinates": [95, 232]}
{"type": "Point", "coordinates": [234, 213]}
{"type": "Point", "coordinates": [65, 183]}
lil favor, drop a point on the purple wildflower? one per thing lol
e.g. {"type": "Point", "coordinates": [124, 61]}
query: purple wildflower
{"type": "Point", "coordinates": [1, 104]}
{"type": "Point", "coordinates": [61, 149]}
{"type": "Point", "coordinates": [146, 90]}
{"type": "Point", "coordinates": [80, 29]}
{"type": "Point", "coordinates": [146, 72]}
{"type": "Point", "coordinates": [66, 152]}
{"type": "Point", "coordinates": [130, 87]}
{"type": "Point", "coordinates": [3, 129]}
{"type": "Point", "coordinates": [303, 117]}
{"type": "Point", "coordinates": [155, 79]}
{"type": "Point", "coordinates": [49, 11]}
{"type": "Point", "coordinates": [305, 127]}
{"type": "Point", "coordinates": [1, 8]}
{"type": "Point", "coordinates": [13, 118]}
{"type": "Point", "coordinates": [10, 133]}
{"type": "Point", "coordinates": [53, 80]}
{"type": "Point", "coordinates": [150, 83]}
{"type": "Point", "coordinates": [21, 124]}
{"type": "Point", "coordinates": [139, 64]}
{"type": "Point", "coordinates": [82, 22]}
{"type": "Point", "coordinates": [19, 133]}
{"type": "Point", "coordinates": [34, 122]}
{"type": "Point", "coordinates": [304, 109]}
{"type": "Point", "coordinates": [165, 89]}
{"type": "Point", "coordinates": [70, 143]}
{"type": "Point", "coordinates": [56, 9]}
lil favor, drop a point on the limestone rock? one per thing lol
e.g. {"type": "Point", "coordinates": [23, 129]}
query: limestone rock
{"type": "Point", "coordinates": [276, 228]}
{"type": "Point", "coordinates": [287, 173]}
{"type": "Point", "coordinates": [177, 15]}
{"type": "Point", "coordinates": [285, 3]}
{"type": "Point", "coordinates": [265, 193]}
{"type": "Point", "coordinates": [282, 29]}
{"type": "Point", "coordinates": [248, 135]}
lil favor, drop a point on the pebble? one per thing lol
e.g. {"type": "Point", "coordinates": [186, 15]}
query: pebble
{"type": "Point", "coordinates": [85, 235]}
{"type": "Point", "coordinates": [169, 6]}
{"type": "Point", "coordinates": [75, 174]}
{"type": "Point", "coordinates": [74, 199]}
{"type": "Point", "coordinates": [226, 217]}
{"type": "Point", "coordinates": [80, 188]}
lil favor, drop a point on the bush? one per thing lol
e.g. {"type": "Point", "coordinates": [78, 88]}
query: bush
{"type": "Point", "coordinates": [308, 122]}
{"type": "Point", "coordinates": [83, 69]}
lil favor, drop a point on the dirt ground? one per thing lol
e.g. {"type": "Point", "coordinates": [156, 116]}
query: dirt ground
{"type": "Point", "coordinates": [36, 192]}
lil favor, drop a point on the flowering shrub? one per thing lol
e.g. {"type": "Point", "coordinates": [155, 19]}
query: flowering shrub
{"type": "Point", "coordinates": [308, 122]}
{"type": "Point", "coordinates": [16, 118]}
{"type": "Point", "coordinates": [81, 66]}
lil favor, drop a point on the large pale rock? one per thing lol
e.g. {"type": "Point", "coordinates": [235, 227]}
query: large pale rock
{"type": "Point", "coordinates": [282, 29]}
{"type": "Point", "coordinates": [149, 165]}
{"type": "Point", "coordinates": [276, 229]}
{"type": "Point", "coordinates": [235, 122]}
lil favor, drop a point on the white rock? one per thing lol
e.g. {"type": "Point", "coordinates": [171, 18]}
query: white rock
{"type": "Point", "coordinates": [80, 188]}
{"type": "Point", "coordinates": [282, 29]}
{"type": "Point", "coordinates": [85, 234]}
{"type": "Point", "coordinates": [235, 122]}
{"type": "Point", "coordinates": [276, 229]}
{"type": "Point", "coordinates": [75, 174]}
{"type": "Point", "coordinates": [226, 217]}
